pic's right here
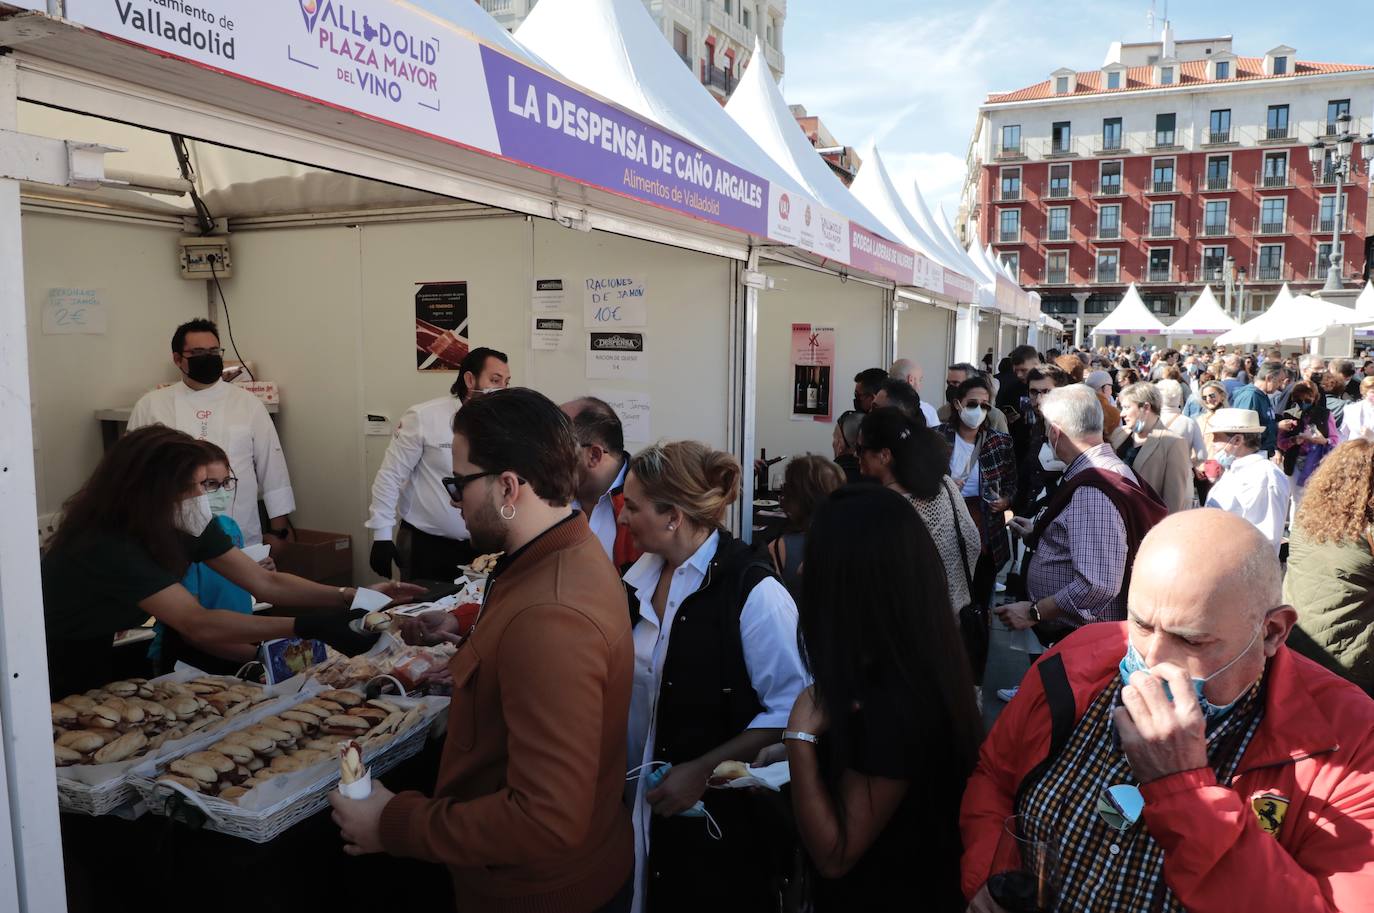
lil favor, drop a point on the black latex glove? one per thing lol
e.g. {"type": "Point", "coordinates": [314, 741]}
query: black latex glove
{"type": "Point", "coordinates": [382, 555]}
{"type": "Point", "coordinates": [334, 630]}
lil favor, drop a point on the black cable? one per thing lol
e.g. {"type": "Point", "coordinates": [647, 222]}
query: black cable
{"type": "Point", "coordinates": [204, 219]}
{"type": "Point", "coordinates": [229, 324]}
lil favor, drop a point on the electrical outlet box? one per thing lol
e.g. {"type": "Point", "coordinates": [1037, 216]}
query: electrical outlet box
{"type": "Point", "coordinates": [205, 258]}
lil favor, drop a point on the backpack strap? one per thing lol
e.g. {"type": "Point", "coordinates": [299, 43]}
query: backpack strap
{"type": "Point", "coordinates": [1063, 716]}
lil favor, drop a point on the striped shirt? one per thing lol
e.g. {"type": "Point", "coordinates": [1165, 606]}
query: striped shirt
{"type": "Point", "coordinates": [1103, 870]}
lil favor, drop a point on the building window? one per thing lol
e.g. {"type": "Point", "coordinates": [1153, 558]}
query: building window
{"type": "Point", "coordinates": [1059, 181]}
{"type": "Point", "coordinates": [1108, 265]}
{"type": "Point", "coordinates": [1323, 262]}
{"type": "Point", "coordinates": [1161, 220]}
{"type": "Point", "coordinates": [1223, 69]}
{"type": "Point", "coordinates": [1218, 172]}
{"type": "Point", "coordinates": [680, 44]}
{"type": "Point", "coordinates": [1110, 181]}
{"type": "Point", "coordinates": [1219, 126]}
{"type": "Point", "coordinates": [1326, 219]}
{"type": "Point", "coordinates": [1272, 212]}
{"type": "Point", "coordinates": [744, 16]}
{"type": "Point", "coordinates": [1161, 263]}
{"type": "Point", "coordinates": [1164, 129]}
{"type": "Point", "coordinates": [1163, 176]}
{"type": "Point", "coordinates": [1060, 136]}
{"type": "Point", "coordinates": [1061, 85]}
{"type": "Point", "coordinates": [1166, 76]}
{"type": "Point", "coordinates": [1276, 126]}
{"type": "Point", "coordinates": [1012, 261]}
{"type": "Point", "coordinates": [1334, 109]}
{"type": "Point", "coordinates": [1329, 166]}
{"type": "Point", "coordinates": [1057, 267]}
{"type": "Point", "coordinates": [1109, 222]}
{"type": "Point", "coordinates": [1213, 264]}
{"type": "Point", "coordinates": [729, 6]}
{"type": "Point", "coordinates": [1270, 267]}
{"type": "Point", "coordinates": [1011, 138]}
{"type": "Point", "coordinates": [1275, 169]}
{"type": "Point", "coordinates": [1111, 133]}
{"type": "Point", "coordinates": [1008, 225]}
{"type": "Point", "coordinates": [1114, 79]}
{"type": "Point", "coordinates": [1215, 220]}
{"type": "Point", "coordinates": [1011, 184]}
{"type": "Point", "coordinates": [1058, 229]}
{"type": "Point", "coordinates": [1280, 65]}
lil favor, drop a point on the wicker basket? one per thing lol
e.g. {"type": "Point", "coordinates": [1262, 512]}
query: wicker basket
{"type": "Point", "coordinates": [266, 824]}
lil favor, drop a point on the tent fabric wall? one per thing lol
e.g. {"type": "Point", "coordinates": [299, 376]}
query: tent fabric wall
{"type": "Point", "coordinates": [134, 267]}
{"type": "Point", "coordinates": [925, 334]}
{"type": "Point", "coordinates": [854, 309]}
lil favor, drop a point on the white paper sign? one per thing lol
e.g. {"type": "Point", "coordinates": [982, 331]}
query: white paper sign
{"type": "Point", "coordinates": [634, 410]}
{"type": "Point", "coordinates": [616, 356]}
{"type": "Point", "coordinates": [549, 296]}
{"type": "Point", "coordinates": [546, 331]}
{"type": "Point", "coordinates": [616, 300]}
{"type": "Point", "coordinates": [74, 310]}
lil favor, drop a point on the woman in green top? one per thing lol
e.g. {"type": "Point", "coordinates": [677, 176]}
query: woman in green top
{"type": "Point", "coordinates": [124, 544]}
{"type": "Point", "coordinates": [1330, 578]}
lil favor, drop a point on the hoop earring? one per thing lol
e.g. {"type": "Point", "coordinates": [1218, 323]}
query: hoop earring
{"type": "Point", "coordinates": [512, 512]}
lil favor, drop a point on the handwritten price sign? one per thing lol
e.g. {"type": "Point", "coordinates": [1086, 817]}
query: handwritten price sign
{"type": "Point", "coordinates": [74, 310]}
{"type": "Point", "coordinates": [615, 301]}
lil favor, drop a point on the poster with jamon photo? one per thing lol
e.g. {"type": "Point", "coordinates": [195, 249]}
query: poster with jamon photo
{"type": "Point", "coordinates": [441, 325]}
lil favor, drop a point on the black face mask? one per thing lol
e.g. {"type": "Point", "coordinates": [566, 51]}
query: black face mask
{"type": "Point", "coordinates": [205, 369]}
{"type": "Point", "coordinates": [858, 406]}
{"type": "Point", "coordinates": [951, 393]}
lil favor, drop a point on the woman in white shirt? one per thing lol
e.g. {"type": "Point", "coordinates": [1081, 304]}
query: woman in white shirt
{"type": "Point", "coordinates": [717, 671]}
{"type": "Point", "coordinates": [1358, 419]}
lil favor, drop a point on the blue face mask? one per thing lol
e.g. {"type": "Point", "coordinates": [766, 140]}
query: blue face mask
{"type": "Point", "coordinates": [1133, 662]}
{"type": "Point", "coordinates": [1139, 426]}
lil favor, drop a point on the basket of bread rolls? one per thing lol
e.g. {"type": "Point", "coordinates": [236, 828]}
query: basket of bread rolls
{"type": "Point", "coordinates": [102, 734]}
{"type": "Point", "coordinates": [257, 780]}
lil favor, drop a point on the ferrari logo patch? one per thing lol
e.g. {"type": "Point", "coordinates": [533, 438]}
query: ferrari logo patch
{"type": "Point", "coordinates": [1269, 811]}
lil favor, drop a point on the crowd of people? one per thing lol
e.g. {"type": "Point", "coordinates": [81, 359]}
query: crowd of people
{"type": "Point", "coordinates": [1179, 542]}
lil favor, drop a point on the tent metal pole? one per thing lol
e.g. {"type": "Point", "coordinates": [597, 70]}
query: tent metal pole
{"type": "Point", "coordinates": [31, 874]}
{"type": "Point", "coordinates": [745, 369]}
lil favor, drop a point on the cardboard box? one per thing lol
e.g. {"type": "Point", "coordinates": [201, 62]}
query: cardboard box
{"type": "Point", "coordinates": [316, 555]}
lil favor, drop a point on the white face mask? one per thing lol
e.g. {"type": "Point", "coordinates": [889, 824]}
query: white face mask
{"type": "Point", "coordinates": [1048, 461]}
{"type": "Point", "coordinates": [220, 502]}
{"type": "Point", "coordinates": [972, 416]}
{"type": "Point", "coordinates": [193, 515]}
{"type": "Point", "coordinates": [490, 389]}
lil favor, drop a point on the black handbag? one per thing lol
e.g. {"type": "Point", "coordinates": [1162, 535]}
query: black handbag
{"type": "Point", "coordinates": [973, 618]}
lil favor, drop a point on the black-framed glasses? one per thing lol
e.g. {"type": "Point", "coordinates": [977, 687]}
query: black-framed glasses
{"type": "Point", "coordinates": [454, 485]}
{"type": "Point", "coordinates": [192, 353]}
{"type": "Point", "coordinates": [1034, 393]}
{"type": "Point", "coordinates": [210, 486]}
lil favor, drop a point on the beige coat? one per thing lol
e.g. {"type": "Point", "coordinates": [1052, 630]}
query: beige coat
{"type": "Point", "coordinates": [1165, 463]}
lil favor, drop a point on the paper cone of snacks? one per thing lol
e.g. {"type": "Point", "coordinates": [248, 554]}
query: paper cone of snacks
{"type": "Point", "coordinates": [355, 781]}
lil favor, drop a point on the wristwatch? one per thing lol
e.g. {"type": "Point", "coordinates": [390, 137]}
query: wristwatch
{"type": "Point", "coordinates": [1034, 612]}
{"type": "Point", "coordinates": [795, 735]}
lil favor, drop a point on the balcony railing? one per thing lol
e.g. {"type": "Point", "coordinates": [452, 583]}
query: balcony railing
{"type": "Point", "coordinates": [1052, 233]}
{"type": "Point", "coordinates": [1162, 186]}
{"type": "Point", "coordinates": [1218, 137]}
{"type": "Point", "coordinates": [1110, 232]}
{"type": "Point", "coordinates": [1165, 140]}
{"type": "Point", "coordinates": [1330, 129]}
{"type": "Point", "coordinates": [1108, 188]}
{"type": "Point", "coordinates": [717, 78]}
{"type": "Point", "coordinates": [1271, 226]}
{"type": "Point", "coordinates": [1104, 275]}
{"type": "Point", "coordinates": [1058, 191]}
{"type": "Point", "coordinates": [1270, 180]}
{"type": "Point", "coordinates": [1158, 274]}
{"type": "Point", "coordinates": [1009, 194]}
{"type": "Point", "coordinates": [1328, 176]}
{"type": "Point", "coordinates": [1326, 225]}
{"type": "Point", "coordinates": [1014, 150]}
{"type": "Point", "coordinates": [1271, 133]}
{"type": "Point", "coordinates": [1061, 148]}
{"type": "Point", "coordinates": [1056, 276]}
{"type": "Point", "coordinates": [1320, 267]}
{"type": "Point", "coordinates": [1215, 229]}
{"type": "Point", "coordinates": [1267, 274]}
{"type": "Point", "coordinates": [1107, 145]}
{"type": "Point", "coordinates": [1162, 230]}
{"type": "Point", "coordinates": [1219, 182]}
{"type": "Point", "coordinates": [1009, 237]}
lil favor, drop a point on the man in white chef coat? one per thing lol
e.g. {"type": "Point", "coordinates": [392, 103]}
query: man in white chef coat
{"type": "Point", "coordinates": [409, 487]}
{"type": "Point", "coordinates": [206, 407]}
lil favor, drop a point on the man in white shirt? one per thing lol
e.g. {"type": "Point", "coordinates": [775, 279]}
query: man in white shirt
{"type": "Point", "coordinates": [206, 407]}
{"type": "Point", "coordinates": [409, 487]}
{"type": "Point", "coordinates": [907, 370]}
{"type": "Point", "coordinates": [1252, 487]}
{"type": "Point", "coordinates": [601, 465]}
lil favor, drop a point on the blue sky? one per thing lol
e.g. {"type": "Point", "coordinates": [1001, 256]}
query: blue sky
{"type": "Point", "coordinates": [911, 75]}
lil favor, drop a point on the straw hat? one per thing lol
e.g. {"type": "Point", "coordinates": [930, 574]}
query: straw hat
{"type": "Point", "coordinates": [1235, 421]}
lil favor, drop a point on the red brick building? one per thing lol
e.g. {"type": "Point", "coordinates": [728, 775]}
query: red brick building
{"type": "Point", "coordinates": [1157, 167]}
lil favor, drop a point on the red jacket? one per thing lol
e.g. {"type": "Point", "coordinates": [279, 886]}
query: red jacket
{"type": "Point", "coordinates": [1310, 768]}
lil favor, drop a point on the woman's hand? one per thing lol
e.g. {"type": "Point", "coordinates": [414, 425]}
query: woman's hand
{"type": "Point", "coordinates": [267, 564]}
{"type": "Point", "coordinates": [1316, 437]}
{"type": "Point", "coordinates": [1000, 505]}
{"type": "Point", "coordinates": [682, 788]}
{"type": "Point", "coordinates": [400, 593]}
{"type": "Point", "coordinates": [1288, 424]}
{"type": "Point", "coordinates": [770, 754]}
{"type": "Point", "coordinates": [430, 628]}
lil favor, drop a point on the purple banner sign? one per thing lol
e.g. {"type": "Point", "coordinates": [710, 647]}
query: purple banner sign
{"type": "Point", "coordinates": [879, 256]}
{"type": "Point", "coordinates": [544, 123]}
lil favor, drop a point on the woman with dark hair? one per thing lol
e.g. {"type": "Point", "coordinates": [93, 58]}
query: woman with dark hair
{"type": "Point", "coordinates": [982, 463]}
{"type": "Point", "coordinates": [914, 462]}
{"type": "Point", "coordinates": [716, 671]}
{"type": "Point", "coordinates": [1307, 433]}
{"type": "Point", "coordinates": [881, 745]}
{"type": "Point", "coordinates": [123, 545]}
{"type": "Point", "coordinates": [805, 484]}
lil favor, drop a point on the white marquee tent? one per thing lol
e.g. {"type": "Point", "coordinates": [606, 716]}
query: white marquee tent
{"type": "Point", "coordinates": [1365, 305]}
{"type": "Point", "coordinates": [1204, 318]}
{"type": "Point", "coordinates": [873, 188]}
{"type": "Point", "coordinates": [1130, 318]}
{"type": "Point", "coordinates": [1292, 317]}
